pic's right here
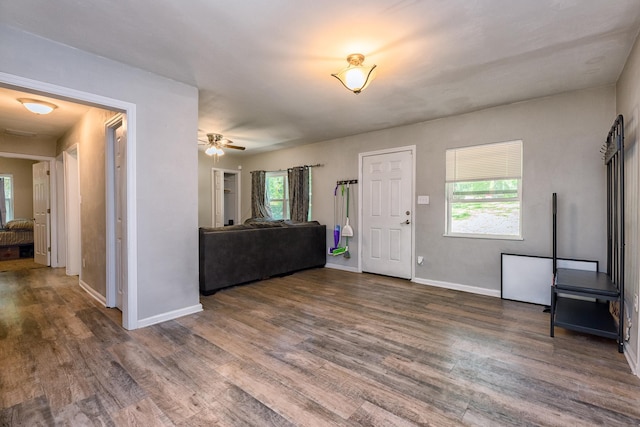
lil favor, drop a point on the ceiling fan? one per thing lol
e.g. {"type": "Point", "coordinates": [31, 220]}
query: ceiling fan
{"type": "Point", "coordinates": [216, 143]}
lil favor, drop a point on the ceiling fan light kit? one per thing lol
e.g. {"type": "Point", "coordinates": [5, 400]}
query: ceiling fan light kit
{"type": "Point", "coordinates": [356, 77]}
{"type": "Point", "coordinates": [217, 143]}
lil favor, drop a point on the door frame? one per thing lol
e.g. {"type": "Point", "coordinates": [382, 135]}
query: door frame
{"type": "Point", "coordinates": [110, 127]}
{"type": "Point", "coordinates": [361, 156]}
{"type": "Point", "coordinates": [59, 245]}
{"type": "Point", "coordinates": [130, 303]}
{"type": "Point", "coordinates": [238, 187]}
{"type": "Point", "coordinates": [72, 200]}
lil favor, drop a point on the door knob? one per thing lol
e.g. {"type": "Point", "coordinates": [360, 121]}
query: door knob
{"type": "Point", "coordinates": [406, 222]}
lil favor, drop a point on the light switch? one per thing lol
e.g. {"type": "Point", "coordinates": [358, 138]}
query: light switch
{"type": "Point", "coordinates": [423, 200]}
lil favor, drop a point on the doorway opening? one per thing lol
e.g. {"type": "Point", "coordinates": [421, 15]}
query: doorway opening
{"type": "Point", "coordinates": [225, 197]}
{"type": "Point", "coordinates": [129, 311]}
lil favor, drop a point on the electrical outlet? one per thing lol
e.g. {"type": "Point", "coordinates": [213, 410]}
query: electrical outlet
{"type": "Point", "coordinates": [84, 264]}
{"type": "Point", "coordinates": [635, 302]}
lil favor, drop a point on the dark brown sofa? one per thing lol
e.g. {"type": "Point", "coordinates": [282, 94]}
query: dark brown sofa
{"type": "Point", "coordinates": [258, 250]}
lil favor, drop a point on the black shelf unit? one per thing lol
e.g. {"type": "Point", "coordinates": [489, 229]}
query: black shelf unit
{"type": "Point", "coordinates": [589, 317]}
{"type": "Point", "coordinates": [596, 291]}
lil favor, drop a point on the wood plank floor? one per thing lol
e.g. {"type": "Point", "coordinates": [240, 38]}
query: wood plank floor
{"type": "Point", "coordinates": [317, 348]}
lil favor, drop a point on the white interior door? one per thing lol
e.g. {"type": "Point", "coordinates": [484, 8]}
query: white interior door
{"type": "Point", "coordinates": [72, 211]}
{"type": "Point", "coordinates": [41, 213]}
{"type": "Point", "coordinates": [387, 196]}
{"type": "Point", "coordinates": [217, 196]}
{"type": "Point", "coordinates": [120, 205]}
{"type": "Point", "coordinates": [59, 242]}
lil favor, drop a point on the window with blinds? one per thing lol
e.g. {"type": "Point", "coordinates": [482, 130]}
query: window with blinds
{"type": "Point", "coordinates": [484, 191]}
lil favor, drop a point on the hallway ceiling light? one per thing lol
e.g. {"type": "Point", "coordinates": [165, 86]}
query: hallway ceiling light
{"type": "Point", "coordinates": [36, 106]}
{"type": "Point", "coordinates": [356, 76]}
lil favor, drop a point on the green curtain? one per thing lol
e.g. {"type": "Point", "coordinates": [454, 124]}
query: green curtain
{"type": "Point", "coordinates": [299, 193]}
{"type": "Point", "coordinates": [259, 203]}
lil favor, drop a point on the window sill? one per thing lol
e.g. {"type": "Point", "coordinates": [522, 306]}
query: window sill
{"type": "Point", "coordinates": [482, 236]}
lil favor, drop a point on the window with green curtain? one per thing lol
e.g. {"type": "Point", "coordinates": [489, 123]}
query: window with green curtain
{"type": "Point", "coordinates": [277, 188]}
{"type": "Point", "coordinates": [484, 191]}
{"type": "Point", "coordinates": [278, 194]}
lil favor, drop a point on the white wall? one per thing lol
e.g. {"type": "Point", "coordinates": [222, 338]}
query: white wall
{"type": "Point", "coordinates": [34, 146]}
{"type": "Point", "coordinates": [562, 136]}
{"type": "Point", "coordinates": [166, 178]}
{"type": "Point", "coordinates": [628, 103]}
{"type": "Point", "coordinates": [90, 135]}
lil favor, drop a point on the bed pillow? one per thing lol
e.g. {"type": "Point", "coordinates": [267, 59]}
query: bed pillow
{"type": "Point", "coordinates": [19, 224]}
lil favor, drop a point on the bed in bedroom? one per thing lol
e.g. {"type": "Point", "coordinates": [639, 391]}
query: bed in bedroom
{"type": "Point", "coordinates": [16, 239]}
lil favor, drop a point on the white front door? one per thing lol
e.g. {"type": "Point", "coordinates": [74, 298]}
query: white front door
{"type": "Point", "coordinates": [41, 213]}
{"type": "Point", "coordinates": [387, 195]}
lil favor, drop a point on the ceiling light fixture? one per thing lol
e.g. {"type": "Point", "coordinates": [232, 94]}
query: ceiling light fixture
{"type": "Point", "coordinates": [213, 150]}
{"type": "Point", "coordinates": [36, 106]}
{"type": "Point", "coordinates": [216, 144]}
{"type": "Point", "coordinates": [356, 76]}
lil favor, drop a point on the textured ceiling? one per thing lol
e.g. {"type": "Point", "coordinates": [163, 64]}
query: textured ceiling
{"type": "Point", "coordinates": [263, 67]}
{"type": "Point", "coordinates": [15, 119]}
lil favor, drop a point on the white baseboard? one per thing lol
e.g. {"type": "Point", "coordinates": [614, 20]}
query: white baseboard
{"type": "Point", "coordinates": [93, 293]}
{"type": "Point", "coordinates": [170, 315]}
{"type": "Point", "coordinates": [342, 267]}
{"type": "Point", "coordinates": [458, 287]}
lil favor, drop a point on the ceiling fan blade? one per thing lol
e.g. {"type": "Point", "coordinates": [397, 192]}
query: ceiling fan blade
{"type": "Point", "coordinates": [235, 147]}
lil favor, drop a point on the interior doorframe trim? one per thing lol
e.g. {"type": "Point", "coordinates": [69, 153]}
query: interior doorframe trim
{"type": "Point", "coordinates": [130, 305]}
{"type": "Point", "coordinates": [75, 147]}
{"type": "Point", "coordinates": [110, 126]}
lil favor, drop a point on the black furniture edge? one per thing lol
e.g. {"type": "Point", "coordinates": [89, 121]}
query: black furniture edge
{"type": "Point", "coordinates": [244, 253]}
{"type": "Point", "coordinates": [594, 317]}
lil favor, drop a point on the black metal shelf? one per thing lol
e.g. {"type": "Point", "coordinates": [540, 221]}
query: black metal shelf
{"type": "Point", "coordinates": [594, 317]}
{"type": "Point", "coordinates": [585, 316]}
{"type": "Point", "coordinates": [589, 283]}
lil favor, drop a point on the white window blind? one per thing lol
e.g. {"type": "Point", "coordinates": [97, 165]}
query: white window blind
{"type": "Point", "coordinates": [502, 160]}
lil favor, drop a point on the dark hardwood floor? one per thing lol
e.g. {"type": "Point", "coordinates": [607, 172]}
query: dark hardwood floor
{"type": "Point", "coordinates": [317, 348]}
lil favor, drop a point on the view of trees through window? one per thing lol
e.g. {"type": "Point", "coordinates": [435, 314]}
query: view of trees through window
{"type": "Point", "coordinates": [277, 185]}
{"type": "Point", "coordinates": [485, 207]}
{"type": "Point", "coordinates": [278, 193]}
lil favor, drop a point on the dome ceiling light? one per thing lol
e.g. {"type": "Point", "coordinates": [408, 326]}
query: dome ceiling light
{"type": "Point", "coordinates": [36, 106]}
{"type": "Point", "coordinates": [356, 76]}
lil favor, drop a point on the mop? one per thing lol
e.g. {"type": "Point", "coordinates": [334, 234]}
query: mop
{"type": "Point", "coordinates": [347, 231]}
{"type": "Point", "coordinates": [336, 250]}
